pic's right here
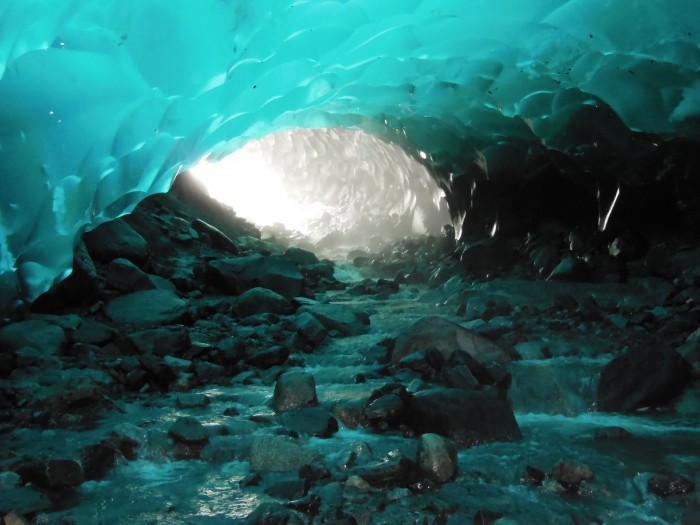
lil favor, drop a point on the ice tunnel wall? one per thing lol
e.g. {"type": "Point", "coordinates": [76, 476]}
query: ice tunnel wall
{"type": "Point", "coordinates": [103, 102]}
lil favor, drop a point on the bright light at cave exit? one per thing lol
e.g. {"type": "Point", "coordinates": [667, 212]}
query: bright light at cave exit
{"type": "Point", "coordinates": [249, 183]}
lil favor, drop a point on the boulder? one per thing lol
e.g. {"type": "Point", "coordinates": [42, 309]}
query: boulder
{"type": "Point", "coordinates": [644, 377]}
{"type": "Point", "coordinates": [92, 332]}
{"type": "Point", "coordinates": [664, 485]}
{"type": "Point", "coordinates": [261, 300]}
{"type": "Point", "coordinates": [393, 471]}
{"type": "Point", "coordinates": [294, 389]}
{"type": "Point", "coordinates": [448, 337]}
{"type": "Point", "coordinates": [274, 514]}
{"type": "Point", "coordinates": [116, 239]}
{"type": "Point", "coordinates": [469, 417]}
{"type": "Point", "coordinates": [338, 317]}
{"type": "Point", "coordinates": [571, 269]}
{"type": "Point", "coordinates": [569, 474]}
{"type": "Point", "coordinates": [165, 341]}
{"type": "Point", "coordinates": [64, 474]}
{"type": "Point", "coordinates": [277, 454]}
{"type": "Point", "coordinates": [124, 275]}
{"type": "Point", "coordinates": [310, 421]}
{"type": "Point", "coordinates": [300, 257]}
{"type": "Point", "coordinates": [437, 457]}
{"type": "Point", "coordinates": [310, 328]}
{"type": "Point", "coordinates": [148, 307]}
{"type": "Point", "coordinates": [48, 338]}
{"type": "Point", "coordinates": [238, 274]}
{"type": "Point", "coordinates": [189, 431]}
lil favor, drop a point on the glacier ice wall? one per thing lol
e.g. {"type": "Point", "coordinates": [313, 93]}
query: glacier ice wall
{"type": "Point", "coordinates": [103, 102]}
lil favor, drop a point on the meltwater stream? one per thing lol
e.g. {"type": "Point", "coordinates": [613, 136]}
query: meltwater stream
{"type": "Point", "coordinates": [218, 488]}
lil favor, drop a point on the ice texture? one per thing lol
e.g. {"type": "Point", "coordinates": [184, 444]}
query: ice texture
{"type": "Point", "coordinates": [103, 102]}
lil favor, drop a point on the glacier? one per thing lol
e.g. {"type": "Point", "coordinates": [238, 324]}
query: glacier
{"type": "Point", "coordinates": [104, 102]}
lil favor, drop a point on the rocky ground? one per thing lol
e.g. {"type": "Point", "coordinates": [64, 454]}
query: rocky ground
{"type": "Point", "coordinates": [190, 372]}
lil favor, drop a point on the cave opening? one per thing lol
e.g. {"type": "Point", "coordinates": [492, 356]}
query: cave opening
{"type": "Point", "coordinates": [332, 190]}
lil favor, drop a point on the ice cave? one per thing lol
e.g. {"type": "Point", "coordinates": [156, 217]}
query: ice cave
{"type": "Point", "coordinates": [349, 262]}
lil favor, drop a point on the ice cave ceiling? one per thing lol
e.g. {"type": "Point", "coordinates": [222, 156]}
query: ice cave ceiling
{"type": "Point", "coordinates": [103, 102]}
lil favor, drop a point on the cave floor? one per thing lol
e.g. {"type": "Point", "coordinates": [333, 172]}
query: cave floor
{"type": "Point", "coordinates": [552, 393]}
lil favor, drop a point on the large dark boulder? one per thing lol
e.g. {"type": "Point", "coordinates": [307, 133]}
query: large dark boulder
{"type": "Point", "coordinates": [448, 337]}
{"type": "Point", "coordinates": [237, 274]}
{"type": "Point", "coordinates": [338, 317]}
{"type": "Point", "coordinates": [116, 239]}
{"type": "Point", "coordinates": [147, 307]}
{"type": "Point", "coordinates": [469, 417]}
{"type": "Point", "coordinates": [644, 377]}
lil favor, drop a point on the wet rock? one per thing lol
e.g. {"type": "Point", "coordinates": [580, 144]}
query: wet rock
{"type": "Point", "coordinates": [268, 357]}
{"type": "Point", "coordinates": [64, 474]}
{"type": "Point", "coordinates": [467, 417]}
{"type": "Point", "coordinates": [388, 410]}
{"type": "Point", "coordinates": [48, 338]}
{"type": "Point", "coordinates": [437, 457]}
{"type": "Point", "coordinates": [569, 474]}
{"type": "Point", "coordinates": [338, 317]}
{"type": "Point", "coordinates": [149, 307]}
{"type": "Point", "coordinates": [448, 337]}
{"type": "Point", "coordinates": [394, 471]}
{"type": "Point", "coordinates": [116, 239]}
{"type": "Point", "coordinates": [535, 475]}
{"type": "Point", "coordinates": [192, 401]}
{"type": "Point", "coordinates": [236, 275]}
{"type": "Point", "coordinates": [350, 412]}
{"type": "Point", "coordinates": [161, 373]}
{"type": "Point", "coordinates": [98, 460]}
{"type": "Point", "coordinates": [643, 377]}
{"type": "Point", "coordinates": [124, 275]}
{"type": "Point", "coordinates": [274, 514]}
{"type": "Point", "coordinates": [288, 490]}
{"type": "Point", "coordinates": [294, 389]}
{"type": "Point", "coordinates": [571, 269]}
{"type": "Point", "coordinates": [311, 329]}
{"type": "Point", "coordinates": [665, 485]}
{"type": "Point", "coordinates": [261, 300]}
{"type": "Point", "coordinates": [189, 431]}
{"type": "Point", "coordinates": [310, 421]}
{"type": "Point", "coordinates": [93, 333]}
{"type": "Point", "coordinates": [165, 341]}
{"type": "Point", "coordinates": [278, 454]}
{"type": "Point", "coordinates": [300, 257]}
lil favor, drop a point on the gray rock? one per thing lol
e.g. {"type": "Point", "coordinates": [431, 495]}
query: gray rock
{"type": "Point", "coordinates": [571, 269]}
{"type": "Point", "coordinates": [310, 421]}
{"type": "Point", "coordinates": [274, 514]}
{"type": "Point", "coordinates": [338, 317]}
{"type": "Point", "coordinates": [116, 239]}
{"type": "Point", "coordinates": [92, 332]}
{"type": "Point", "coordinates": [569, 474]}
{"type": "Point", "coordinates": [261, 300]}
{"type": "Point", "coordinates": [644, 377]}
{"type": "Point", "coordinates": [169, 340]}
{"type": "Point", "coordinates": [41, 335]}
{"type": "Point", "coordinates": [294, 389]}
{"type": "Point", "coordinates": [469, 417]}
{"type": "Point", "coordinates": [664, 485]}
{"type": "Point", "coordinates": [437, 457]}
{"type": "Point", "coordinates": [64, 474]}
{"type": "Point", "coordinates": [124, 275]}
{"type": "Point", "coordinates": [149, 307]}
{"type": "Point", "coordinates": [236, 275]}
{"type": "Point", "coordinates": [189, 431]}
{"type": "Point", "coordinates": [310, 328]}
{"type": "Point", "coordinates": [448, 337]}
{"type": "Point", "coordinates": [300, 257]}
{"type": "Point", "coordinates": [277, 454]}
